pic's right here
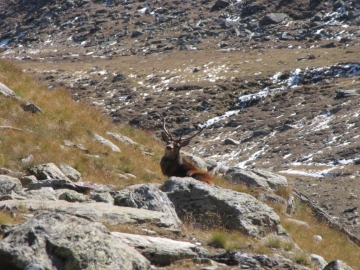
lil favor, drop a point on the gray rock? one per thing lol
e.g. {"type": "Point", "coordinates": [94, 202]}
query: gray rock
{"type": "Point", "coordinates": [73, 196]}
{"type": "Point", "coordinates": [34, 266]}
{"type": "Point", "coordinates": [79, 146]}
{"type": "Point", "coordinates": [337, 265]}
{"type": "Point", "coordinates": [136, 33]}
{"type": "Point", "coordinates": [214, 206]}
{"type": "Point", "coordinates": [198, 162]}
{"type": "Point", "coordinates": [9, 184]}
{"type": "Point", "coordinates": [102, 212]}
{"type": "Point", "coordinates": [146, 197]}
{"type": "Point", "coordinates": [219, 4]}
{"type": "Point", "coordinates": [104, 197]}
{"type": "Point", "coordinates": [107, 143]}
{"type": "Point", "coordinates": [290, 204]}
{"type": "Point", "coordinates": [46, 193]}
{"type": "Point", "coordinates": [210, 164]}
{"type": "Point", "coordinates": [70, 172]}
{"type": "Point", "coordinates": [273, 199]}
{"type": "Point", "coordinates": [273, 18]}
{"type": "Point", "coordinates": [6, 91]}
{"type": "Point", "coordinates": [47, 171]}
{"type": "Point", "coordinates": [122, 138]}
{"type": "Point", "coordinates": [229, 141]}
{"type": "Point", "coordinates": [63, 241]}
{"type": "Point", "coordinates": [159, 251]}
{"type": "Point", "coordinates": [30, 107]}
{"type": "Point", "coordinates": [318, 261]}
{"type": "Point", "coordinates": [58, 184]}
{"type": "Point", "coordinates": [256, 178]}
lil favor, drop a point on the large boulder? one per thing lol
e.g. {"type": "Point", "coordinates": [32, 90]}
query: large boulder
{"type": "Point", "coordinates": [337, 265]}
{"type": "Point", "coordinates": [48, 171]}
{"type": "Point", "coordinates": [256, 178]}
{"type": "Point", "coordinates": [160, 251]}
{"type": "Point", "coordinates": [9, 184]}
{"type": "Point", "coordinates": [233, 210]}
{"type": "Point", "coordinates": [146, 197]}
{"type": "Point", "coordinates": [98, 211]}
{"type": "Point", "coordinates": [62, 241]}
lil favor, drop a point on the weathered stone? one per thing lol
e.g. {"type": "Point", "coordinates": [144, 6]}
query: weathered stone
{"type": "Point", "coordinates": [229, 141]}
{"type": "Point", "coordinates": [9, 184]}
{"type": "Point", "coordinates": [159, 251]}
{"type": "Point", "coordinates": [73, 196]}
{"type": "Point", "coordinates": [198, 162]}
{"type": "Point", "coordinates": [70, 172]}
{"type": "Point", "coordinates": [273, 199]}
{"type": "Point", "coordinates": [47, 171]}
{"type": "Point", "coordinates": [214, 206]}
{"type": "Point", "coordinates": [273, 18]}
{"type": "Point", "coordinates": [102, 212]}
{"type": "Point", "coordinates": [318, 261]}
{"type": "Point", "coordinates": [219, 4]}
{"type": "Point", "coordinates": [6, 91]}
{"type": "Point", "coordinates": [122, 138]}
{"type": "Point", "coordinates": [146, 197]}
{"type": "Point", "coordinates": [104, 197]}
{"type": "Point", "coordinates": [58, 184]}
{"type": "Point", "coordinates": [337, 265]}
{"type": "Point", "coordinates": [34, 266]}
{"type": "Point", "coordinates": [256, 178]}
{"type": "Point", "coordinates": [30, 107]}
{"type": "Point", "coordinates": [107, 143]}
{"type": "Point", "coordinates": [63, 241]}
{"type": "Point", "coordinates": [46, 193]}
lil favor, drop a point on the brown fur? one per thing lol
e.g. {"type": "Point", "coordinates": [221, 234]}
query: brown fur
{"type": "Point", "coordinates": [172, 163]}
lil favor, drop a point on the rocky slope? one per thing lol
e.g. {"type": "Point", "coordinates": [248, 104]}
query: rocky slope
{"type": "Point", "coordinates": [275, 82]}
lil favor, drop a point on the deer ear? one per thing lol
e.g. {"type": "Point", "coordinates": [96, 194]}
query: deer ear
{"type": "Point", "coordinates": [164, 137]}
{"type": "Point", "coordinates": [184, 143]}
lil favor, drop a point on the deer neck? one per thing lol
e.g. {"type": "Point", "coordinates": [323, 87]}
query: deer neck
{"type": "Point", "coordinates": [174, 156]}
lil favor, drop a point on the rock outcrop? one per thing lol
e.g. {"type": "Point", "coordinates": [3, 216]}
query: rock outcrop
{"type": "Point", "coordinates": [214, 206]}
{"type": "Point", "coordinates": [57, 240]}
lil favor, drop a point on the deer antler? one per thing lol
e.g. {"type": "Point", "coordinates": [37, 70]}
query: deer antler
{"type": "Point", "coordinates": [189, 138]}
{"type": "Point", "coordinates": [165, 130]}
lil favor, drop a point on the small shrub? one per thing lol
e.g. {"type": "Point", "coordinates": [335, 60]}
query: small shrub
{"type": "Point", "coordinates": [301, 258]}
{"type": "Point", "coordinates": [218, 239]}
{"type": "Point", "coordinates": [273, 242]}
{"type": "Point", "coordinates": [284, 191]}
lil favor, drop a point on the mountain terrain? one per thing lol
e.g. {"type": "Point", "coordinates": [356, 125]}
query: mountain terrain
{"type": "Point", "coordinates": [276, 84]}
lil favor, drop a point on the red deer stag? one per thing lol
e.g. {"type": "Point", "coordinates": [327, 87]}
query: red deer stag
{"type": "Point", "coordinates": [173, 164]}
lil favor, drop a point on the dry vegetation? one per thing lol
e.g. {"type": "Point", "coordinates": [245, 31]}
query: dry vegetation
{"type": "Point", "coordinates": [65, 119]}
{"type": "Point", "coordinates": [334, 244]}
{"type": "Point", "coordinates": [62, 119]}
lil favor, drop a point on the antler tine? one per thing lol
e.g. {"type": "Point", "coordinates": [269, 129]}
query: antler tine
{"type": "Point", "coordinates": [189, 138]}
{"type": "Point", "coordinates": [166, 131]}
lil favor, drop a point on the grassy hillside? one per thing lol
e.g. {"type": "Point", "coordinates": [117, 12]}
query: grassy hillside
{"type": "Point", "coordinates": [62, 118]}
{"type": "Point", "coordinates": [42, 135]}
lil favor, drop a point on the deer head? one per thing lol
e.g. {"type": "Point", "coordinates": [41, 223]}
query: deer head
{"type": "Point", "coordinates": [173, 146]}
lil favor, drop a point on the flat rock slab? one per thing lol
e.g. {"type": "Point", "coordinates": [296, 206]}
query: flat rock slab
{"type": "Point", "coordinates": [101, 212]}
{"type": "Point", "coordinates": [159, 251]}
{"type": "Point", "coordinates": [55, 240]}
